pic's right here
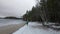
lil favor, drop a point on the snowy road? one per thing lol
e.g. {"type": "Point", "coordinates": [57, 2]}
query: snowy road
{"type": "Point", "coordinates": [33, 28]}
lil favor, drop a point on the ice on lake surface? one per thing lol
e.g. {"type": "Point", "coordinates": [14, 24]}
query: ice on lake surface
{"type": "Point", "coordinates": [4, 22]}
{"type": "Point", "coordinates": [33, 28]}
{"type": "Point", "coordinates": [8, 26]}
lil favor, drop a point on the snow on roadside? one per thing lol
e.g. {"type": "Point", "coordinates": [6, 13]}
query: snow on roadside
{"type": "Point", "coordinates": [55, 26]}
{"type": "Point", "coordinates": [28, 29]}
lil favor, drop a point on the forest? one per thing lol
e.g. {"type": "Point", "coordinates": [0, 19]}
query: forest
{"type": "Point", "coordinates": [44, 11]}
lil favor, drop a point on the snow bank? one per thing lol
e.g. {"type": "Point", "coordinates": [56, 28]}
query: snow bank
{"type": "Point", "coordinates": [28, 29]}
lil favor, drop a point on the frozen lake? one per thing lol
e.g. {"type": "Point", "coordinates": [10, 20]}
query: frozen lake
{"type": "Point", "coordinates": [10, 21]}
{"type": "Point", "coordinates": [8, 26]}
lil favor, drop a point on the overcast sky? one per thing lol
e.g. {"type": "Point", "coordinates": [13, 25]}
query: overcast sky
{"type": "Point", "coordinates": [15, 7]}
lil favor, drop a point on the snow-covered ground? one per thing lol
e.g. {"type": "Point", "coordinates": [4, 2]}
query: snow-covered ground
{"type": "Point", "coordinates": [35, 28]}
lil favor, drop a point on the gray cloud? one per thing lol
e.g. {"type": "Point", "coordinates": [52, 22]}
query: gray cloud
{"type": "Point", "coordinates": [15, 7]}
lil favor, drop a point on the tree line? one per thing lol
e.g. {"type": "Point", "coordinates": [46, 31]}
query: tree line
{"type": "Point", "coordinates": [44, 11]}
